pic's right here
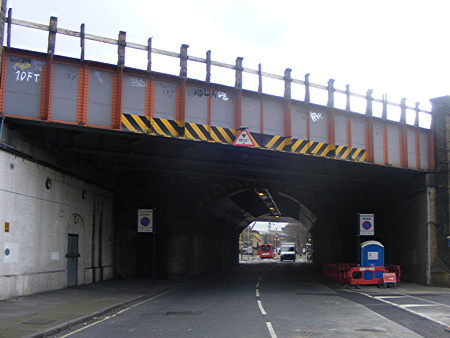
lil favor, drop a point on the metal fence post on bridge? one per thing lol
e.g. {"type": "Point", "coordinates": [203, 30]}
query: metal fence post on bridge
{"type": "Point", "coordinates": [8, 30]}
{"type": "Point", "coordinates": [287, 105]}
{"type": "Point", "coordinates": [330, 102]}
{"type": "Point", "coordinates": [2, 32]}
{"type": "Point", "coordinates": [403, 135]}
{"type": "Point", "coordinates": [403, 111]}
{"type": "Point", "coordinates": [183, 61]}
{"type": "Point", "coordinates": [47, 74]}
{"type": "Point", "coordinates": [181, 113]}
{"type": "Point", "coordinates": [82, 41]}
{"type": "Point", "coordinates": [369, 99]}
{"type": "Point", "coordinates": [52, 35]}
{"type": "Point", "coordinates": [331, 118]}
{"type": "Point", "coordinates": [307, 94]}
{"type": "Point", "coordinates": [208, 67]}
{"type": "Point", "coordinates": [307, 101]}
{"type": "Point", "coordinates": [259, 80]}
{"type": "Point", "coordinates": [117, 89]}
{"type": "Point", "coordinates": [149, 55]}
{"type": "Point", "coordinates": [370, 155]}
{"type": "Point", "coordinates": [121, 49]}
{"type": "Point", "coordinates": [238, 87]}
{"type": "Point", "coordinates": [417, 110]}
{"type": "Point", "coordinates": [210, 90]}
{"type": "Point", "coordinates": [384, 111]}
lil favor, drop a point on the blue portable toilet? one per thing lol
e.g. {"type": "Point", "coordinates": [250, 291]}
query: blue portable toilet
{"type": "Point", "coordinates": [372, 254]}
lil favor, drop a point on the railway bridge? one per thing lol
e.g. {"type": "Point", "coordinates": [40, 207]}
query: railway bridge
{"type": "Point", "coordinates": [87, 148]}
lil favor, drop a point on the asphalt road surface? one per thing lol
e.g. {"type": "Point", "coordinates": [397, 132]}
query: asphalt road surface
{"type": "Point", "coordinates": [267, 298]}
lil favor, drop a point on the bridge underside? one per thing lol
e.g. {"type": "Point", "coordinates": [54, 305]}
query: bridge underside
{"type": "Point", "coordinates": [204, 195]}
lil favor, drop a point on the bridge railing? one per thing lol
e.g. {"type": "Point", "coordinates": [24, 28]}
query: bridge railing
{"type": "Point", "coordinates": [417, 116]}
{"type": "Point", "coordinates": [49, 87]}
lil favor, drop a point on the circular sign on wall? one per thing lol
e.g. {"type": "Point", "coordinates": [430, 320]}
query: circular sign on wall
{"type": "Point", "coordinates": [145, 220]}
{"type": "Point", "coordinates": [366, 225]}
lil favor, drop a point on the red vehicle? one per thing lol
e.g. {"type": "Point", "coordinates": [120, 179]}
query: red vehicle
{"type": "Point", "coordinates": [266, 251]}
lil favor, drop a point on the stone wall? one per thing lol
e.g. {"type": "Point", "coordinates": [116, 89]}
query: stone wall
{"type": "Point", "coordinates": [440, 265]}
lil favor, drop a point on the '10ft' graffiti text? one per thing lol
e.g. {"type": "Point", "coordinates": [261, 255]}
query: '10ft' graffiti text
{"type": "Point", "coordinates": [24, 76]}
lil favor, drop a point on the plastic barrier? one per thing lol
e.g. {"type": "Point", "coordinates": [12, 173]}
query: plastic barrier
{"type": "Point", "coordinates": [348, 273]}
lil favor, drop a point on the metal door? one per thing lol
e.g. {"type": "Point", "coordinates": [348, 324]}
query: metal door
{"type": "Point", "coordinates": [72, 260]}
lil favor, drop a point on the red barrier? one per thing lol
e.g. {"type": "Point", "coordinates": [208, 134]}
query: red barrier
{"type": "Point", "coordinates": [348, 273]}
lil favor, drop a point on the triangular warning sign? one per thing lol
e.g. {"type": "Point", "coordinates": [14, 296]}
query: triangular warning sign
{"type": "Point", "coordinates": [244, 139]}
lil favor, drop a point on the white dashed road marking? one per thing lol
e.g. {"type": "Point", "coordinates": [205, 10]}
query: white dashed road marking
{"type": "Point", "coordinates": [261, 308]}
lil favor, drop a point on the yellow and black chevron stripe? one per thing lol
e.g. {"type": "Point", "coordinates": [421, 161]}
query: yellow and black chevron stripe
{"type": "Point", "coordinates": [136, 124]}
{"type": "Point", "coordinates": [152, 126]}
{"type": "Point", "coordinates": [222, 135]}
{"type": "Point", "coordinates": [278, 143]}
{"type": "Point", "coordinates": [312, 148]}
{"type": "Point", "coordinates": [198, 132]}
{"type": "Point", "coordinates": [349, 153]}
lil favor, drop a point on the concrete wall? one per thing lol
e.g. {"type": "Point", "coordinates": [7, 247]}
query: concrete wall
{"type": "Point", "coordinates": [36, 220]}
{"type": "Point", "coordinates": [404, 235]}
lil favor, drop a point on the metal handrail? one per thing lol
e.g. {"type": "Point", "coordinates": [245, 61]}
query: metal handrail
{"type": "Point", "coordinates": [10, 21]}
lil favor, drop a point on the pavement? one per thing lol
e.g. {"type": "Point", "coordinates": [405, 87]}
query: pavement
{"type": "Point", "coordinates": [47, 314]}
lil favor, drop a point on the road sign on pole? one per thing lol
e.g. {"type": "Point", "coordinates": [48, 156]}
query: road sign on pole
{"type": "Point", "coordinates": [145, 220]}
{"type": "Point", "coordinates": [366, 225]}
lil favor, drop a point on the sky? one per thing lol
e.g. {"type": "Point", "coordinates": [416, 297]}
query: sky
{"type": "Point", "coordinates": [268, 226]}
{"type": "Point", "coordinates": [394, 47]}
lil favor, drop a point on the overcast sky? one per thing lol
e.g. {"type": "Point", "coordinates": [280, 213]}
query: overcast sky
{"type": "Point", "coordinates": [395, 47]}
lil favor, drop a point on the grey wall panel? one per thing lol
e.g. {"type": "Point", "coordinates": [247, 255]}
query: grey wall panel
{"type": "Point", "coordinates": [411, 143]}
{"type": "Point", "coordinates": [393, 144]}
{"type": "Point", "coordinates": [222, 109]}
{"type": "Point", "coordinates": [65, 92]}
{"type": "Point", "coordinates": [250, 113]}
{"type": "Point", "coordinates": [340, 130]}
{"type": "Point", "coordinates": [165, 100]}
{"type": "Point", "coordinates": [197, 104]}
{"type": "Point", "coordinates": [318, 126]}
{"type": "Point", "coordinates": [100, 97]}
{"type": "Point", "coordinates": [358, 133]}
{"type": "Point", "coordinates": [423, 143]}
{"type": "Point", "coordinates": [378, 142]}
{"type": "Point", "coordinates": [23, 86]}
{"type": "Point", "coordinates": [273, 118]}
{"type": "Point", "coordinates": [298, 122]}
{"type": "Point", "coordinates": [133, 95]}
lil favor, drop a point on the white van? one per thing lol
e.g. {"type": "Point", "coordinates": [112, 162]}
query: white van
{"type": "Point", "coordinates": [288, 251]}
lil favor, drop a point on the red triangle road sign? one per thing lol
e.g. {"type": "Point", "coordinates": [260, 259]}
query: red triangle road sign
{"type": "Point", "coordinates": [244, 139]}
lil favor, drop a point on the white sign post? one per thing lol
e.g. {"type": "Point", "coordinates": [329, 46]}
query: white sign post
{"type": "Point", "coordinates": [366, 225]}
{"type": "Point", "coordinates": [145, 220]}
